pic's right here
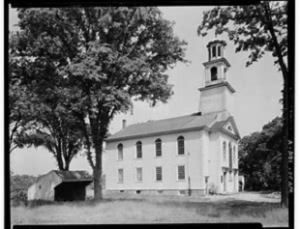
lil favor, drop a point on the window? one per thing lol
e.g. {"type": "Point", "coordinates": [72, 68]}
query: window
{"type": "Point", "coordinates": [225, 71]}
{"type": "Point", "coordinates": [120, 152]}
{"type": "Point", "coordinates": [224, 151]}
{"type": "Point", "coordinates": [158, 173]}
{"type": "Point", "coordinates": [180, 145]}
{"type": "Point", "coordinates": [219, 50]}
{"type": "Point", "coordinates": [181, 172]}
{"type": "Point", "coordinates": [120, 176]}
{"type": "Point", "coordinates": [221, 179]}
{"type": "Point", "coordinates": [234, 154]}
{"type": "Point", "coordinates": [139, 150]}
{"type": "Point", "coordinates": [214, 51]}
{"type": "Point", "coordinates": [209, 54]}
{"type": "Point", "coordinates": [230, 155]}
{"type": "Point", "coordinates": [158, 147]}
{"type": "Point", "coordinates": [139, 174]}
{"type": "Point", "coordinates": [214, 73]}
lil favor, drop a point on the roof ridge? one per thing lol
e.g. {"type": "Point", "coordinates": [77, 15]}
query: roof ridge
{"type": "Point", "coordinates": [166, 119]}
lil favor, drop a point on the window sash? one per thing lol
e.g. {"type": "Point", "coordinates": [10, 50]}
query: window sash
{"type": "Point", "coordinates": [120, 175]}
{"type": "Point", "coordinates": [181, 172]}
{"type": "Point", "coordinates": [139, 150]}
{"type": "Point", "coordinates": [180, 143]}
{"type": "Point", "coordinates": [158, 149]}
{"type": "Point", "coordinates": [158, 173]}
{"type": "Point", "coordinates": [139, 174]}
{"type": "Point", "coordinates": [120, 154]}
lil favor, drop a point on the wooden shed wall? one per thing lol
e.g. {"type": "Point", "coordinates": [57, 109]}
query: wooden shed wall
{"type": "Point", "coordinates": [43, 189]}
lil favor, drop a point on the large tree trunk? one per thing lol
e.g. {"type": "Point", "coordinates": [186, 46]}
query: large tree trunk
{"type": "Point", "coordinates": [285, 148]}
{"type": "Point", "coordinates": [98, 172]}
{"type": "Point", "coordinates": [286, 114]}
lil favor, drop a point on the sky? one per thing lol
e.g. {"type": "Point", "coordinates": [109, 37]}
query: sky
{"type": "Point", "coordinates": [256, 101]}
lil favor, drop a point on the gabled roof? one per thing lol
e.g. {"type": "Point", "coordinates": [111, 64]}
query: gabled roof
{"type": "Point", "coordinates": [219, 126]}
{"type": "Point", "coordinates": [68, 176]}
{"type": "Point", "coordinates": [166, 126]}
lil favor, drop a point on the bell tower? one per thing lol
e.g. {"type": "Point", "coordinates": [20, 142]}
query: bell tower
{"type": "Point", "coordinates": [217, 93]}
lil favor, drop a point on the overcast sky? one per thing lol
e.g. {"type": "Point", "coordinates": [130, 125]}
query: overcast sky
{"type": "Point", "coordinates": [256, 99]}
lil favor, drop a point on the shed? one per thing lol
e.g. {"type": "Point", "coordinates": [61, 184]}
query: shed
{"type": "Point", "coordinates": [60, 186]}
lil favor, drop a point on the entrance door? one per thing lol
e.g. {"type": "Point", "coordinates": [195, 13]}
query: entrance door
{"type": "Point", "coordinates": [225, 181]}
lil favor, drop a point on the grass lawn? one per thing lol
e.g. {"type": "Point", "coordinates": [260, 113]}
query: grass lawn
{"type": "Point", "coordinates": [153, 209]}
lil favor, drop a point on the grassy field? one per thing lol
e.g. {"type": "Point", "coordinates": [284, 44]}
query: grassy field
{"type": "Point", "coordinates": [153, 209]}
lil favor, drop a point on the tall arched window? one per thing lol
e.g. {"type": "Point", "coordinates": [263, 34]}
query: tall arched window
{"type": "Point", "coordinates": [224, 151]}
{"type": "Point", "coordinates": [214, 73]}
{"type": "Point", "coordinates": [120, 151]}
{"type": "Point", "coordinates": [219, 50]}
{"type": "Point", "coordinates": [230, 155]}
{"type": "Point", "coordinates": [139, 152]}
{"type": "Point", "coordinates": [180, 145]}
{"type": "Point", "coordinates": [158, 147]}
{"type": "Point", "coordinates": [234, 155]}
{"type": "Point", "coordinates": [214, 53]}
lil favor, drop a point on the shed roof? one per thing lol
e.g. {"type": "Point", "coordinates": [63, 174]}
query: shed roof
{"type": "Point", "coordinates": [194, 121]}
{"type": "Point", "coordinates": [68, 176]}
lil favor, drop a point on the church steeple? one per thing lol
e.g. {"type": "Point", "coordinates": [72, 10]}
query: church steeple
{"type": "Point", "coordinates": [216, 95]}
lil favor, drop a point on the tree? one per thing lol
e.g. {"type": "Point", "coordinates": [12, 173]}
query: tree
{"type": "Point", "coordinates": [260, 157]}
{"type": "Point", "coordinates": [259, 28]}
{"type": "Point", "coordinates": [106, 56]}
{"type": "Point", "coordinates": [39, 106]}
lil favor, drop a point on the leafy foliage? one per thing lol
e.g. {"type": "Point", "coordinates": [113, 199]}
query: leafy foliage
{"type": "Point", "coordinates": [248, 27]}
{"type": "Point", "coordinates": [259, 28]}
{"type": "Point", "coordinates": [19, 185]}
{"type": "Point", "coordinates": [260, 157]}
{"type": "Point", "coordinates": [91, 62]}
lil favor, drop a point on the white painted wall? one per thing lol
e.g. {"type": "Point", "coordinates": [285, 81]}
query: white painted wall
{"type": "Point", "coordinates": [192, 160]}
{"type": "Point", "coordinates": [43, 189]}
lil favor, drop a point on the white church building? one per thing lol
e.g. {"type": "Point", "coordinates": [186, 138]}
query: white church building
{"type": "Point", "coordinates": [196, 154]}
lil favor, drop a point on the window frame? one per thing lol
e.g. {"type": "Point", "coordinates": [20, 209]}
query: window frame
{"type": "Point", "coordinates": [120, 148]}
{"type": "Point", "coordinates": [158, 141]}
{"type": "Point", "coordinates": [178, 173]}
{"type": "Point", "coordinates": [139, 151]}
{"type": "Point", "coordinates": [180, 149]}
{"type": "Point", "coordinates": [156, 174]}
{"type": "Point", "coordinates": [120, 181]}
{"type": "Point", "coordinates": [139, 177]}
{"type": "Point", "coordinates": [214, 51]}
{"type": "Point", "coordinates": [224, 151]}
{"type": "Point", "coordinates": [213, 77]}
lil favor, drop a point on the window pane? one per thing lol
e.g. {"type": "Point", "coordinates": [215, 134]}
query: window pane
{"type": "Point", "coordinates": [120, 176]}
{"type": "Point", "coordinates": [214, 73]}
{"type": "Point", "coordinates": [139, 174]}
{"type": "Point", "coordinates": [181, 172]}
{"type": "Point", "coordinates": [120, 152]}
{"type": "Point", "coordinates": [138, 150]}
{"type": "Point", "coordinates": [180, 142]}
{"type": "Point", "coordinates": [158, 147]}
{"type": "Point", "coordinates": [158, 173]}
{"type": "Point", "coordinates": [214, 51]}
{"type": "Point", "coordinates": [219, 51]}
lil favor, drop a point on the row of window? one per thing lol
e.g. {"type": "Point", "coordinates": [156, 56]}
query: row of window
{"type": "Point", "coordinates": [158, 174]}
{"type": "Point", "coordinates": [158, 148]}
{"type": "Point", "coordinates": [232, 150]}
{"type": "Point", "coordinates": [214, 52]}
